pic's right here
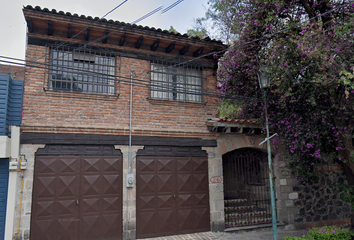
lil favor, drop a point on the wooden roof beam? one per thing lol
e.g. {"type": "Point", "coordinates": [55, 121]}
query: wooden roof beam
{"type": "Point", "coordinates": [184, 49]}
{"type": "Point", "coordinates": [170, 47]}
{"type": "Point", "coordinates": [139, 42]}
{"type": "Point", "coordinates": [155, 45]}
{"type": "Point", "coordinates": [49, 28]}
{"type": "Point", "coordinates": [87, 36]}
{"type": "Point", "coordinates": [198, 52]}
{"type": "Point", "coordinates": [69, 34]}
{"type": "Point", "coordinates": [29, 24]}
{"type": "Point", "coordinates": [122, 39]}
{"type": "Point", "coordinates": [105, 36]}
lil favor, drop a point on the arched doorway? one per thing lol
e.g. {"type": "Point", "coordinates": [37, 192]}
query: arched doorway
{"type": "Point", "coordinates": [246, 188]}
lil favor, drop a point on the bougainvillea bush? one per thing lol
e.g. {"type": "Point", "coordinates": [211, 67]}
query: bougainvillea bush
{"type": "Point", "coordinates": [307, 47]}
{"type": "Point", "coordinates": [325, 233]}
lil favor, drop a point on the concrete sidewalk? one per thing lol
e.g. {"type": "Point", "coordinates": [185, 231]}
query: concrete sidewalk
{"type": "Point", "coordinates": [259, 234]}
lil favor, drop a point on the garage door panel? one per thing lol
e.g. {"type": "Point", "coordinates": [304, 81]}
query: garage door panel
{"type": "Point", "coordinates": [184, 164]}
{"type": "Point", "coordinates": [66, 207]}
{"type": "Point", "coordinates": [67, 165]}
{"type": "Point", "coordinates": [147, 203]}
{"type": "Point", "coordinates": [165, 164]}
{"type": "Point", "coordinates": [46, 165]}
{"type": "Point", "coordinates": [111, 165]}
{"type": "Point", "coordinates": [146, 164]}
{"type": "Point", "coordinates": [186, 220]}
{"type": "Point", "coordinates": [91, 164]}
{"type": "Point", "coordinates": [201, 200]}
{"type": "Point", "coordinates": [110, 184]}
{"type": "Point", "coordinates": [166, 222]}
{"type": "Point", "coordinates": [67, 186]}
{"type": "Point", "coordinates": [200, 165]}
{"type": "Point", "coordinates": [165, 183]}
{"type": "Point", "coordinates": [46, 187]}
{"type": "Point", "coordinates": [44, 229]}
{"type": "Point", "coordinates": [44, 208]}
{"type": "Point", "coordinates": [165, 202]}
{"type": "Point", "coordinates": [91, 205]}
{"type": "Point", "coordinates": [65, 229]}
{"type": "Point", "coordinates": [202, 216]}
{"type": "Point", "coordinates": [185, 183]}
{"type": "Point", "coordinates": [111, 204]}
{"type": "Point", "coordinates": [146, 184]}
{"type": "Point", "coordinates": [185, 201]}
{"type": "Point", "coordinates": [109, 225]}
{"type": "Point", "coordinates": [90, 185]}
{"type": "Point", "coordinates": [200, 183]}
{"type": "Point", "coordinates": [90, 227]}
{"type": "Point", "coordinates": [146, 223]}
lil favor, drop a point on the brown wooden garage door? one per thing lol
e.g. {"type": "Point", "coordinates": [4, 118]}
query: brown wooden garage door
{"type": "Point", "coordinates": [172, 195]}
{"type": "Point", "coordinates": [77, 198]}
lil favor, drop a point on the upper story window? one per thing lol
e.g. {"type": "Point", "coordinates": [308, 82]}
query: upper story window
{"type": "Point", "coordinates": [82, 70]}
{"type": "Point", "coordinates": [176, 83]}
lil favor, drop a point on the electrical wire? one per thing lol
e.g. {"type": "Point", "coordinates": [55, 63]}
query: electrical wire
{"type": "Point", "coordinates": [140, 82]}
{"type": "Point", "coordinates": [147, 15]}
{"type": "Point", "coordinates": [171, 6]}
{"type": "Point", "coordinates": [63, 43]}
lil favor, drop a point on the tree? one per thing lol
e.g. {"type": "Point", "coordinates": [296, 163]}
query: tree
{"type": "Point", "coordinates": [172, 29]}
{"type": "Point", "coordinates": [307, 48]}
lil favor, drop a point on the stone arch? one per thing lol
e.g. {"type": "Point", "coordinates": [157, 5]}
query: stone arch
{"type": "Point", "coordinates": [230, 142]}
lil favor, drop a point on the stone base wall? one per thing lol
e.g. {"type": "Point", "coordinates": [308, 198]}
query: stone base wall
{"type": "Point", "coordinates": [321, 200]}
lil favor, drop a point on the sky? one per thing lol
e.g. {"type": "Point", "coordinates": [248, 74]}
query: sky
{"type": "Point", "coordinates": [13, 25]}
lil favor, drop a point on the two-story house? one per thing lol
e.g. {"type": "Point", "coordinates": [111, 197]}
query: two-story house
{"type": "Point", "coordinates": [121, 140]}
{"type": "Point", "coordinates": [114, 129]}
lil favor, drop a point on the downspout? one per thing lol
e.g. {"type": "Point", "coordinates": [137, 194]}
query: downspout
{"type": "Point", "coordinates": [130, 121]}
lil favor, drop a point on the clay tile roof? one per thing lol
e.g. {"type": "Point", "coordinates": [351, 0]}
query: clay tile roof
{"type": "Point", "coordinates": [231, 120]}
{"type": "Point", "coordinates": [54, 11]}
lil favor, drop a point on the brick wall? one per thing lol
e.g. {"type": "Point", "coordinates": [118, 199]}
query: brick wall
{"type": "Point", "coordinates": [64, 112]}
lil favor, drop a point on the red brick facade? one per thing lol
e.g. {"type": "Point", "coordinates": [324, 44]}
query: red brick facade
{"type": "Point", "coordinates": [64, 112]}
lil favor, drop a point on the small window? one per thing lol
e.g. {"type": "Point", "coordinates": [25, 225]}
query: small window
{"type": "Point", "coordinates": [176, 83]}
{"type": "Point", "coordinates": [82, 70]}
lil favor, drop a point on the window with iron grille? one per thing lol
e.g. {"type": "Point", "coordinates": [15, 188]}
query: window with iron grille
{"type": "Point", "coordinates": [176, 83]}
{"type": "Point", "coordinates": [82, 70]}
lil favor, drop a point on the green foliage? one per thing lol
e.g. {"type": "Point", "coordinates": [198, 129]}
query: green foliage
{"type": "Point", "coordinates": [197, 32]}
{"type": "Point", "coordinates": [229, 109]}
{"type": "Point", "coordinates": [172, 29]}
{"type": "Point", "coordinates": [347, 194]}
{"type": "Point", "coordinates": [325, 233]}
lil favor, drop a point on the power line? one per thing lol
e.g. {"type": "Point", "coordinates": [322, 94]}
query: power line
{"type": "Point", "coordinates": [136, 81]}
{"type": "Point", "coordinates": [147, 15]}
{"type": "Point", "coordinates": [171, 6]}
{"type": "Point", "coordinates": [63, 43]}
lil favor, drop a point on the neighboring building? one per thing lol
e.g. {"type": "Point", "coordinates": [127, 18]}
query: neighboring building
{"type": "Point", "coordinates": [11, 97]}
{"type": "Point", "coordinates": [185, 170]}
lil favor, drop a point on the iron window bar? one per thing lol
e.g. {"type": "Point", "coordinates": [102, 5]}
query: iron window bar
{"type": "Point", "coordinates": [85, 70]}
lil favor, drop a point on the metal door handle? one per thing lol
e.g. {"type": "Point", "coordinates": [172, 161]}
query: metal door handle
{"type": "Point", "coordinates": [77, 202]}
{"type": "Point", "coordinates": [174, 197]}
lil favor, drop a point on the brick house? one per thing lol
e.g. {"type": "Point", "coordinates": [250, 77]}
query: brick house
{"type": "Point", "coordinates": [121, 139]}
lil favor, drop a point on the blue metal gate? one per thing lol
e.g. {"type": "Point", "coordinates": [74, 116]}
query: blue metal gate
{"type": "Point", "coordinates": [4, 178]}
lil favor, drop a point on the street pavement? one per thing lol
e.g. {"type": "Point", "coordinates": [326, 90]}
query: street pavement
{"type": "Point", "coordinates": [259, 234]}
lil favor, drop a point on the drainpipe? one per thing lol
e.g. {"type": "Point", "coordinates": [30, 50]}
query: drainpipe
{"type": "Point", "coordinates": [130, 122]}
